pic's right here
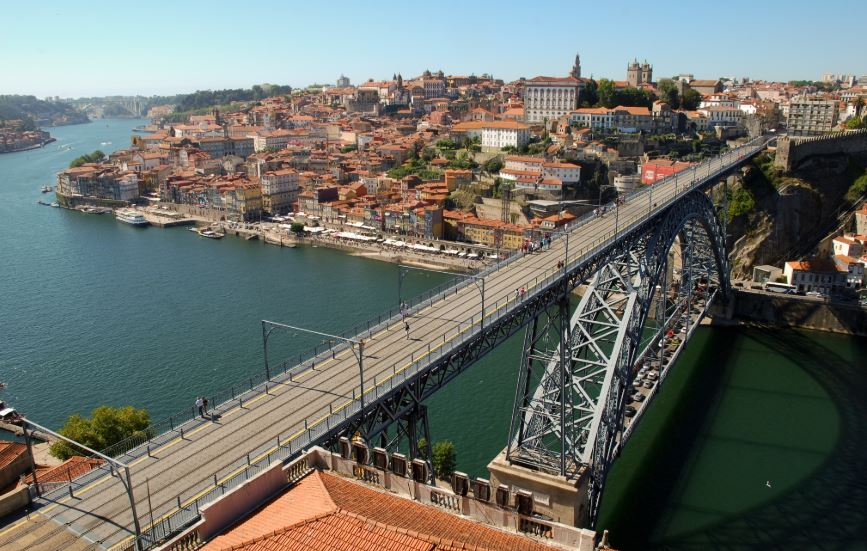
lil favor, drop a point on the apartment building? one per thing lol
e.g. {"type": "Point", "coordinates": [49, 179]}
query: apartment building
{"type": "Point", "coordinates": [811, 116]}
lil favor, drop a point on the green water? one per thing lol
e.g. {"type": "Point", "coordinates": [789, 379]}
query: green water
{"type": "Point", "coordinates": [93, 311]}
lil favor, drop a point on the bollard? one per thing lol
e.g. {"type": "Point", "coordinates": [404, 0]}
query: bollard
{"type": "Point", "coordinates": [305, 424]}
{"type": "Point", "coordinates": [241, 402]}
{"type": "Point", "coordinates": [215, 484]}
{"type": "Point", "coordinates": [248, 459]}
{"type": "Point", "coordinates": [149, 450]}
{"type": "Point", "coordinates": [179, 499]}
{"type": "Point", "coordinates": [182, 433]}
{"type": "Point", "coordinates": [278, 440]}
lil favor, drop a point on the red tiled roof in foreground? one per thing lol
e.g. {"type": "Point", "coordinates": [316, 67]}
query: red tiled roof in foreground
{"type": "Point", "coordinates": [9, 452]}
{"type": "Point", "coordinates": [328, 512]}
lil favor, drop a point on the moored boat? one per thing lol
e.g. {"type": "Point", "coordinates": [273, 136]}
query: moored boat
{"type": "Point", "coordinates": [130, 216]}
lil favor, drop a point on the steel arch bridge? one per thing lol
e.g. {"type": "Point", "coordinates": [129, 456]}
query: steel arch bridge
{"type": "Point", "coordinates": [574, 421]}
{"type": "Point", "coordinates": [647, 270]}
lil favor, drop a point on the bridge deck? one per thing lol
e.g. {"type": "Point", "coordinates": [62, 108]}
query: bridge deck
{"type": "Point", "coordinates": [186, 466]}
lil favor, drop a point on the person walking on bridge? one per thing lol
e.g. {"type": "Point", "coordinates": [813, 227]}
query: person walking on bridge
{"type": "Point", "coordinates": [200, 404]}
{"type": "Point", "coordinates": [406, 328]}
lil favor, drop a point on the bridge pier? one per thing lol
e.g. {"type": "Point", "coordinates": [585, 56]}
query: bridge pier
{"type": "Point", "coordinates": [558, 497]}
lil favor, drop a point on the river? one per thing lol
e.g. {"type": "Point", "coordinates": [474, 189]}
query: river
{"type": "Point", "coordinates": [96, 312]}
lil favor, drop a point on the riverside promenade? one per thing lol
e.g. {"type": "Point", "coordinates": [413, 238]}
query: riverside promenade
{"type": "Point", "coordinates": [182, 469]}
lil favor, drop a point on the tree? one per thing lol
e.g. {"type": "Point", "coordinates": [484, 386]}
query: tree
{"type": "Point", "coordinates": [95, 157]}
{"type": "Point", "coordinates": [493, 165]}
{"type": "Point", "coordinates": [296, 227]}
{"type": "Point", "coordinates": [855, 122]}
{"type": "Point", "coordinates": [668, 92]}
{"type": "Point", "coordinates": [690, 100]}
{"type": "Point", "coordinates": [590, 96]}
{"type": "Point", "coordinates": [107, 426]}
{"type": "Point", "coordinates": [444, 459]}
{"type": "Point", "coordinates": [606, 93]}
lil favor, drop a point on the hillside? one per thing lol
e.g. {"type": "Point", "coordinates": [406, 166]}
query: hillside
{"type": "Point", "coordinates": [776, 216]}
{"type": "Point", "coordinates": [35, 112]}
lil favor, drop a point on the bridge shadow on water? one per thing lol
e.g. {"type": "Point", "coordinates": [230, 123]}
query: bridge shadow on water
{"type": "Point", "coordinates": [827, 509]}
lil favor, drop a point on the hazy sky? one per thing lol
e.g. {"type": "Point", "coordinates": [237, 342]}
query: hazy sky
{"type": "Point", "coordinates": [75, 49]}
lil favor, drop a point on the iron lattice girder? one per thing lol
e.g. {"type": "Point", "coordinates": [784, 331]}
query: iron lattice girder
{"type": "Point", "coordinates": [604, 339]}
{"type": "Point", "coordinates": [379, 414]}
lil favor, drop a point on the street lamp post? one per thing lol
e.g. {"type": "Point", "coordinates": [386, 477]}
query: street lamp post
{"type": "Point", "coordinates": [113, 463]}
{"type": "Point", "coordinates": [478, 281]}
{"type": "Point", "coordinates": [352, 344]}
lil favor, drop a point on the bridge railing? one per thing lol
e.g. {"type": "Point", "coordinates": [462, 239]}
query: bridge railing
{"type": "Point", "coordinates": [331, 417]}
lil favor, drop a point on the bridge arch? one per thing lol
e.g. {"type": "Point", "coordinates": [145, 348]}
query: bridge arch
{"type": "Point", "coordinates": [573, 422]}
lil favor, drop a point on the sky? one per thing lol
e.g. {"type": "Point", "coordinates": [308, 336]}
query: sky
{"type": "Point", "coordinates": [95, 48]}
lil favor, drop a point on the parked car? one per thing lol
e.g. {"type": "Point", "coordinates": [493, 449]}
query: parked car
{"type": "Point", "coordinates": [637, 397]}
{"type": "Point", "coordinates": [630, 411]}
{"type": "Point", "coordinates": [648, 384]}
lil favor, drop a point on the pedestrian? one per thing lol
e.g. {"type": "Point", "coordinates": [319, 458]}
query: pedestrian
{"type": "Point", "coordinates": [199, 405]}
{"type": "Point", "coordinates": [523, 292]}
{"type": "Point", "coordinates": [205, 405]}
{"type": "Point", "coordinates": [517, 294]}
{"type": "Point", "coordinates": [406, 328]}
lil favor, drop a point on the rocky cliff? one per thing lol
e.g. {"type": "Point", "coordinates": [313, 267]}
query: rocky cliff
{"type": "Point", "coordinates": [776, 216]}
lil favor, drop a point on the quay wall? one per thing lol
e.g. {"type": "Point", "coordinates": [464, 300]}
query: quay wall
{"type": "Point", "coordinates": [792, 150]}
{"type": "Point", "coordinates": [791, 311]}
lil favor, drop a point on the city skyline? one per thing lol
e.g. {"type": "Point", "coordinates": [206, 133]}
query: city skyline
{"type": "Point", "coordinates": [207, 46]}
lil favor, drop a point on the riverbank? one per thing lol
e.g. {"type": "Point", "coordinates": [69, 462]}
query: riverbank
{"type": "Point", "coordinates": [755, 308]}
{"type": "Point", "coordinates": [30, 147]}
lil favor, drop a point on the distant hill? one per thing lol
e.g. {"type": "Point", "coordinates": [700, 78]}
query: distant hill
{"type": "Point", "coordinates": [203, 100]}
{"type": "Point", "coordinates": [35, 112]}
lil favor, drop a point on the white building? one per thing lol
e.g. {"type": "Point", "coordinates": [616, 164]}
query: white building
{"type": "Point", "coordinates": [549, 98]}
{"type": "Point", "coordinates": [499, 134]}
{"type": "Point", "coordinates": [818, 275]}
{"type": "Point", "coordinates": [847, 246]}
{"type": "Point", "coordinates": [718, 115]}
{"type": "Point", "coordinates": [271, 139]}
{"type": "Point", "coordinates": [596, 118]}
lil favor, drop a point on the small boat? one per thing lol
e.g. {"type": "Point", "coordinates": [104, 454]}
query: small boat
{"type": "Point", "coordinates": [41, 202]}
{"type": "Point", "coordinates": [130, 216]}
{"type": "Point", "coordinates": [210, 234]}
{"type": "Point", "coordinates": [46, 189]}
{"type": "Point", "coordinates": [55, 204]}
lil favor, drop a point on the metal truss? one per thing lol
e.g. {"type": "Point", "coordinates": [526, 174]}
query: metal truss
{"type": "Point", "coordinates": [574, 419]}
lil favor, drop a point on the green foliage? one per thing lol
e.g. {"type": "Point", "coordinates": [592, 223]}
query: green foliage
{"type": "Point", "coordinates": [444, 459]}
{"type": "Point", "coordinates": [445, 143]}
{"type": "Point", "coordinates": [106, 426]}
{"type": "Point", "coordinates": [28, 109]}
{"type": "Point", "coordinates": [741, 201]}
{"type": "Point", "coordinates": [296, 227]}
{"type": "Point", "coordinates": [590, 95]}
{"type": "Point", "coordinates": [668, 92]}
{"type": "Point", "coordinates": [606, 93]}
{"type": "Point", "coordinates": [348, 148]}
{"type": "Point", "coordinates": [690, 100]}
{"type": "Point", "coordinates": [856, 122]}
{"type": "Point", "coordinates": [858, 189]}
{"type": "Point", "coordinates": [428, 154]}
{"type": "Point", "coordinates": [94, 157]}
{"type": "Point", "coordinates": [417, 167]}
{"type": "Point", "coordinates": [493, 165]}
{"type": "Point", "coordinates": [463, 161]}
{"type": "Point", "coordinates": [209, 98]}
{"type": "Point", "coordinates": [629, 97]}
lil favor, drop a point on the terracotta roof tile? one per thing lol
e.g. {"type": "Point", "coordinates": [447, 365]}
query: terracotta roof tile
{"type": "Point", "coordinates": [9, 452]}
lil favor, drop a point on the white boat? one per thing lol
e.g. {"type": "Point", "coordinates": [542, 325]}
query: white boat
{"type": "Point", "coordinates": [129, 216]}
{"type": "Point", "coordinates": [210, 234]}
